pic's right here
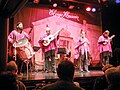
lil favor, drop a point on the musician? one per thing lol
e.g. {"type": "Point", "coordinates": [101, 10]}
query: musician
{"type": "Point", "coordinates": [104, 46]}
{"type": "Point", "coordinates": [83, 51]}
{"type": "Point", "coordinates": [49, 50]}
{"type": "Point", "coordinates": [15, 36]}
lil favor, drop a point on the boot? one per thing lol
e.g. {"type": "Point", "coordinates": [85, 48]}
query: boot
{"type": "Point", "coordinates": [81, 67]}
{"type": "Point", "coordinates": [86, 68]}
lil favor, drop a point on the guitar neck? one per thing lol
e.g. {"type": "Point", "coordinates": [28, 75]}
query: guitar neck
{"type": "Point", "coordinates": [112, 37]}
{"type": "Point", "coordinates": [30, 31]}
{"type": "Point", "coordinates": [57, 32]}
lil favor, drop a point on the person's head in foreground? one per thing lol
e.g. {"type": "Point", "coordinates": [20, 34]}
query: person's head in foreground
{"type": "Point", "coordinates": [65, 70]}
{"type": "Point", "coordinates": [107, 66]}
{"type": "Point", "coordinates": [113, 76]}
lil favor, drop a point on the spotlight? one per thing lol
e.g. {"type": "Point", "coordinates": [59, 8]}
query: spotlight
{"type": "Point", "coordinates": [104, 0]}
{"type": "Point", "coordinates": [93, 9]}
{"type": "Point", "coordinates": [55, 5]}
{"type": "Point", "coordinates": [71, 6]}
{"type": "Point", "coordinates": [36, 1]}
{"type": "Point", "coordinates": [78, 7]}
{"type": "Point", "coordinates": [117, 1]}
{"type": "Point", "coordinates": [88, 9]}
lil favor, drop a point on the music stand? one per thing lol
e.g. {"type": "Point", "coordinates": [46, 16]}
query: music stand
{"type": "Point", "coordinates": [36, 48]}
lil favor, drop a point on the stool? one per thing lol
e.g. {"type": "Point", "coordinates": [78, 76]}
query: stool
{"type": "Point", "coordinates": [27, 63]}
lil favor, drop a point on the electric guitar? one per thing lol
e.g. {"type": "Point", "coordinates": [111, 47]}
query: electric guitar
{"type": "Point", "coordinates": [48, 39]}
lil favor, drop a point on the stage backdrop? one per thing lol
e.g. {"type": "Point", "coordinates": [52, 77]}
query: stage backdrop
{"type": "Point", "coordinates": [36, 19]}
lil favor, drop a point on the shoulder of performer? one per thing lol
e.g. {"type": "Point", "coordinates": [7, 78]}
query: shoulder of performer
{"type": "Point", "coordinates": [13, 32]}
{"type": "Point", "coordinates": [79, 39]}
{"type": "Point", "coordinates": [41, 38]}
{"type": "Point", "coordinates": [101, 36]}
{"type": "Point", "coordinates": [24, 32]}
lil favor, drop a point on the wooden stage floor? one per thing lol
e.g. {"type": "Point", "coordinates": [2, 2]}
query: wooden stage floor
{"type": "Point", "coordinates": [33, 79]}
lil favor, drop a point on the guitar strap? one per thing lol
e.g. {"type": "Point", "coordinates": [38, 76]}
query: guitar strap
{"type": "Point", "coordinates": [14, 36]}
{"type": "Point", "coordinates": [55, 42]}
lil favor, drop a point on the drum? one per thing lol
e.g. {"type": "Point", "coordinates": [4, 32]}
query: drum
{"type": "Point", "coordinates": [24, 49]}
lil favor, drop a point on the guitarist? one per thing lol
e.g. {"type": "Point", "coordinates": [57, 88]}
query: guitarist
{"type": "Point", "coordinates": [49, 50]}
{"type": "Point", "coordinates": [13, 37]}
{"type": "Point", "coordinates": [105, 49]}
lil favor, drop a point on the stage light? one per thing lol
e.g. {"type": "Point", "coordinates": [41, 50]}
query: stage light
{"type": "Point", "coordinates": [104, 0]}
{"type": "Point", "coordinates": [78, 7]}
{"type": "Point", "coordinates": [50, 0]}
{"type": "Point", "coordinates": [88, 9]}
{"type": "Point", "coordinates": [93, 9]}
{"type": "Point", "coordinates": [36, 1]}
{"type": "Point", "coordinates": [117, 1]}
{"type": "Point", "coordinates": [71, 6]}
{"type": "Point", "coordinates": [55, 5]}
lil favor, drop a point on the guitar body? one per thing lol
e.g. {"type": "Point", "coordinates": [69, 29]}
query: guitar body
{"type": "Point", "coordinates": [47, 40]}
{"type": "Point", "coordinates": [106, 41]}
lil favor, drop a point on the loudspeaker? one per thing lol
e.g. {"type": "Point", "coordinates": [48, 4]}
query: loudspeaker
{"type": "Point", "coordinates": [61, 51]}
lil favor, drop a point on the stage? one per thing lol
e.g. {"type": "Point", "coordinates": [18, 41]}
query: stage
{"type": "Point", "coordinates": [37, 79]}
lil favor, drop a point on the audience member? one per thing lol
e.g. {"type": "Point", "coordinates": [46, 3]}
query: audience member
{"type": "Point", "coordinates": [12, 67]}
{"type": "Point", "coordinates": [113, 78]}
{"type": "Point", "coordinates": [118, 67]}
{"type": "Point", "coordinates": [8, 81]}
{"type": "Point", "coordinates": [65, 72]}
{"type": "Point", "coordinates": [101, 82]}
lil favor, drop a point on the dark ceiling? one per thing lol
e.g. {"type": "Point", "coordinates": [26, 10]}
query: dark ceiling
{"type": "Point", "coordinates": [8, 8]}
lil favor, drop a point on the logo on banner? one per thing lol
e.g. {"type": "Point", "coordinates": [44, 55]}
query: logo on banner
{"type": "Point", "coordinates": [65, 14]}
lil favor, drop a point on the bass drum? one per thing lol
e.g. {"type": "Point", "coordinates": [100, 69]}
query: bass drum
{"type": "Point", "coordinates": [24, 49]}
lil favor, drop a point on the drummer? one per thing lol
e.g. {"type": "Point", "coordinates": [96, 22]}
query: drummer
{"type": "Point", "coordinates": [15, 36]}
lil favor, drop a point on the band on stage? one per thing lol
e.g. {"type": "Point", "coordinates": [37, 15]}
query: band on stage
{"type": "Point", "coordinates": [21, 50]}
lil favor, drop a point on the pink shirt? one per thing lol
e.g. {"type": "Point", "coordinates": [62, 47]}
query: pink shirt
{"type": "Point", "coordinates": [51, 46]}
{"type": "Point", "coordinates": [14, 35]}
{"type": "Point", "coordinates": [106, 47]}
{"type": "Point", "coordinates": [81, 47]}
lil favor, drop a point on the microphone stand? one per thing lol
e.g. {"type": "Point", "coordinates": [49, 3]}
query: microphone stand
{"type": "Point", "coordinates": [15, 57]}
{"type": "Point", "coordinates": [14, 45]}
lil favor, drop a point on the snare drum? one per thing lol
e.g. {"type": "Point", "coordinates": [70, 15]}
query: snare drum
{"type": "Point", "coordinates": [24, 49]}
